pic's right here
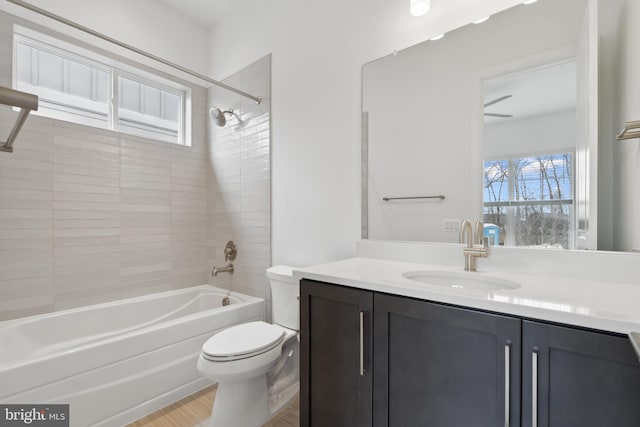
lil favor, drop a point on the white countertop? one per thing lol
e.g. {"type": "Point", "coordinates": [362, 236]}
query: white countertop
{"type": "Point", "coordinates": [607, 306]}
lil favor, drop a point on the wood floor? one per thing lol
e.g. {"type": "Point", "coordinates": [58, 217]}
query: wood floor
{"type": "Point", "coordinates": [194, 411]}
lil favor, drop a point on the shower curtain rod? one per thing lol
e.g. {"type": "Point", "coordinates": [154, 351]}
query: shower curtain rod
{"type": "Point", "coordinates": [65, 21]}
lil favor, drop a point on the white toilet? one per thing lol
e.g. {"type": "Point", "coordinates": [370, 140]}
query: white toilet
{"type": "Point", "coordinates": [256, 364]}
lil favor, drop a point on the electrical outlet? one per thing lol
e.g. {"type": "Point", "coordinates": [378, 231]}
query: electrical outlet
{"type": "Point", "coordinates": [451, 224]}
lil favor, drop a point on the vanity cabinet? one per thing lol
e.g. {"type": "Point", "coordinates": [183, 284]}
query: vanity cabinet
{"type": "Point", "coordinates": [574, 377]}
{"type": "Point", "coordinates": [335, 348]}
{"type": "Point", "coordinates": [373, 359]}
{"type": "Point", "coordinates": [442, 366]}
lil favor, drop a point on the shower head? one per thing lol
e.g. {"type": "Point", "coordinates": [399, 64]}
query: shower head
{"type": "Point", "coordinates": [218, 116]}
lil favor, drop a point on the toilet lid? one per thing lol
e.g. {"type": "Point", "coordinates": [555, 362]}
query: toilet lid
{"type": "Point", "coordinates": [242, 341]}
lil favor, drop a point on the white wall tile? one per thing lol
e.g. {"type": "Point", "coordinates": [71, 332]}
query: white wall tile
{"type": "Point", "coordinates": [239, 189]}
{"type": "Point", "coordinates": [85, 241]}
{"type": "Point", "coordinates": [106, 247]}
{"type": "Point", "coordinates": [25, 213]}
{"type": "Point", "coordinates": [84, 188]}
{"type": "Point", "coordinates": [27, 287]}
{"type": "Point", "coordinates": [25, 223]}
{"type": "Point", "coordinates": [86, 223]}
{"type": "Point", "coordinates": [27, 243]}
{"type": "Point", "coordinates": [86, 167]}
{"type": "Point", "coordinates": [134, 219]}
{"type": "Point", "coordinates": [85, 214]}
{"type": "Point", "coordinates": [24, 184]}
{"type": "Point", "coordinates": [66, 205]}
{"type": "Point", "coordinates": [24, 164]}
{"type": "Point", "coordinates": [113, 197]}
{"type": "Point", "coordinates": [148, 268]}
{"type": "Point", "coordinates": [17, 194]}
{"type": "Point", "coordinates": [136, 196]}
{"type": "Point", "coordinates": [124, 239]}
{"type": "Point", "coordinates": [25, 270]}
{"type": "Point", "coordinates": [79, 299]}
{"type": "Point", "coordinates": [90, 215]}
{"type": "Point", "coordinates": [73, 288]}
{"type": "Point", "coordinates": [74, 178]}
{"type": "Point", "coordinates": [145, 257]}
{"type": "Point", "coordinates": [147, 287]}
{"type": "Point", "coordinates": [13, 234]}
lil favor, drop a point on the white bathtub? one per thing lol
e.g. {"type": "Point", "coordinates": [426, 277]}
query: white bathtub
{"type": "Point", "coordinates": [116, 362]}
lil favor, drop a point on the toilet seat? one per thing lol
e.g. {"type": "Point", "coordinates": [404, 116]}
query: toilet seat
{"type": "Point", "coordinates": [243, 341]}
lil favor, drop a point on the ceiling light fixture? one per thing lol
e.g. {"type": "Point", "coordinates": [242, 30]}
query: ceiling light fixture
{"type": "Point", "coordinates": [419, 7]}
{"type": "Point", "coordinates": [480, 21]}
{"type": "Point", "coordinates": [437, 37]}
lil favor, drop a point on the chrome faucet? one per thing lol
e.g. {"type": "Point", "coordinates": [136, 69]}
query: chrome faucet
{"type": "Point", "coordinates": [472, 238]}
{"type": "Point", "coordinates": [227, 269]}
{"type": "Point", "coordinates": [230, 254]}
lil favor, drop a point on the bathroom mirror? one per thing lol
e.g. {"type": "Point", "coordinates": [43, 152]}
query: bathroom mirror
{"type": "Point", "coordinates": [521, 88]}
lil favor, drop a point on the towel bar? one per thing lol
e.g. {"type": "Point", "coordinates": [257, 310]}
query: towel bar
{"type": "Point", "coordinates": [386, 199]}
{"type": "Point", "coordinates": [26, 102]}
{"type": "Point", "coordinates": [631, 130]}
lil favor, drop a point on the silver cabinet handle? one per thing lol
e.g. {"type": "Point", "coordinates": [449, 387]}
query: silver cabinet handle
{"type": "Point", "coordinates": [634, 337]}
{"type": "Point", "coordinates": [534, 388]}
{"type": "Point", "coordinates": [507, 382]}
{"type": "Point", "coordinates": [362, 343]}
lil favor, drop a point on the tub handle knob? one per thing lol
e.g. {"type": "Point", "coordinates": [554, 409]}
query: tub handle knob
{"type": "Point", "coordinates": [230, 251]}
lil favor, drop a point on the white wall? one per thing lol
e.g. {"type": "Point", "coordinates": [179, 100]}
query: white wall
{"type": "Point", "coordinates": [145, 24]}
{"type": "Point", "coordinates": [530, 136]}
{"type": "Point", "coordinates": [318, 49]}
{"type": "Point", "coordinates": [624, 164]}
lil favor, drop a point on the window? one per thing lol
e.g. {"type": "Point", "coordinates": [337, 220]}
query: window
{"type": "Point", "coordinates": [148, 110]}
{"type": "Point", "coordinates": [530, 200]}
{"type": "Point", "coordinates": [80, 86]}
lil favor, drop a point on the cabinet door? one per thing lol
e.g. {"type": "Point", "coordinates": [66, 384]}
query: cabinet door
{"type": "Point", "coordinates": [573, 377]}
{"type": "Point", "coordinates": [443, 366]}
{"type": "Point", "coordinates": [335, 377]}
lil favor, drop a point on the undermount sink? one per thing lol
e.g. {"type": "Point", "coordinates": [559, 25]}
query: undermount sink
{"type": "Point", "coordinates": [464, 281]}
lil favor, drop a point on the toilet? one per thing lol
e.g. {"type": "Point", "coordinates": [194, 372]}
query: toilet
{"type": "Point", "coordinates": [256, 364]}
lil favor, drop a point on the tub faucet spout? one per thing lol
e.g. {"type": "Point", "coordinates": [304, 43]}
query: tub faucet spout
{"type": "Point", "coordinates": [227, 269]}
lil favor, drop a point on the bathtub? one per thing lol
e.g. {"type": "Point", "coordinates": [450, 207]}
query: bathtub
{"type": "Point", "coordinates": [116, 362]}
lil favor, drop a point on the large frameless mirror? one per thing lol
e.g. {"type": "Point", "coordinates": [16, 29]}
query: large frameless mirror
{"type": "Point", "coordinates": [496, 121]}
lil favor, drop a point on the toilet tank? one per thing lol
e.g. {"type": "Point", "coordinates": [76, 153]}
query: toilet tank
{"type": "Point", "coordinates": [285, 292]}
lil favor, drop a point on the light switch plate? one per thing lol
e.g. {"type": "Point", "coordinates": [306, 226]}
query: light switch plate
{"type": "Point", "coordinates": [451, 224]}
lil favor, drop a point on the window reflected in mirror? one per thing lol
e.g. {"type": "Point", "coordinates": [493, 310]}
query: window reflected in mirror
{"type": "Point", "coordinates": [529, 163]}
{"type": "Point", "coordinates": [529, 201]}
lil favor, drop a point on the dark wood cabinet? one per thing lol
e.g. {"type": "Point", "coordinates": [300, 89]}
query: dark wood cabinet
{"type": "Point", "coordinates": [443, 366]}
{"type": "Point", "coordinates": [335, 356]}
{"type": "Point", "coordinates": [372, 359]}
{"type": "Point", "coordinates": [573, 377]}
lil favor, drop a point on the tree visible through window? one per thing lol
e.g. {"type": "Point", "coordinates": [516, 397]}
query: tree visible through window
{"type": "Point", "coordinates": [530, 199]}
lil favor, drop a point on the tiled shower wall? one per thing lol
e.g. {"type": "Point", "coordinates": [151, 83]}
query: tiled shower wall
{"type": "Point", "coordinates": [89, 215]}
{"type": "Point", "coordinates": [240, 182]}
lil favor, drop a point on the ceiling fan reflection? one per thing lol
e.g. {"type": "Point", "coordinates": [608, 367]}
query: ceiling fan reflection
{"type": "Point", "coordinates": [495, 101]}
